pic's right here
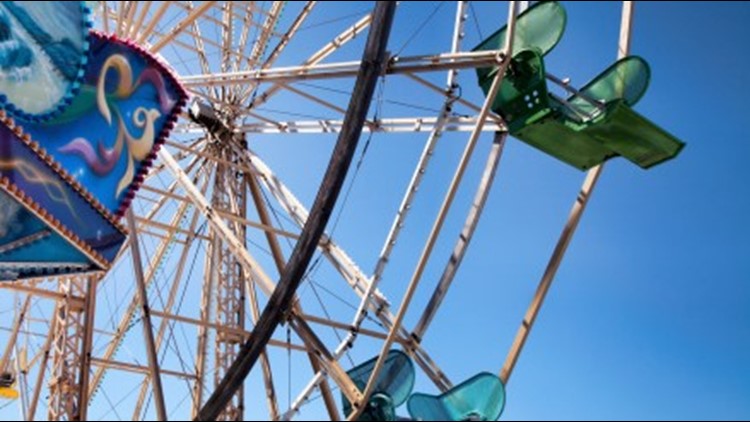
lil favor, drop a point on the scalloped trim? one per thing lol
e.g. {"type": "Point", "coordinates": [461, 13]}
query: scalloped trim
{"type": "Point", "coordinates": [35, 274]}
{"type": "Point", "coordinates": [11, 189]}
{"type": "Point", "coordinates": [73, 90]}
{"type": "Point", "coordinates": [169, 124]}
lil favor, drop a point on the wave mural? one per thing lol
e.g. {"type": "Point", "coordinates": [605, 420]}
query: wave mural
{"type": "Point", "coordinates": [43, 49]}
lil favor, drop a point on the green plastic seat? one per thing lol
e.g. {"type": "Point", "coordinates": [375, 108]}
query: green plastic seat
{"type": "Point", "coordinates": [392, 388]}
{"type": "Point", "coordinates": [536, 118]}
{"type": "Point", "coordinates": [614, 125]}
{"type": "Point", "coordinates": [480, 398]}
{"type": "Point", "coordinates": [588, 127]}
{"type": "Point", "coordinates": [538, 29]}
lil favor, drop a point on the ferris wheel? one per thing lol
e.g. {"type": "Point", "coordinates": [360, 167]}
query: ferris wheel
{"type": "Point", "coordinates": [181, 258]}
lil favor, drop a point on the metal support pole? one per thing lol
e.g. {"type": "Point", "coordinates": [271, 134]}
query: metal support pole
{"type": "Point", "coordinates": [278, 257]}
{"type": "Point", "coordinates": [576, 212]}
{"type": "Point", "coordinates": [72, 329]}
{"type": "Point", "coordinates": [88, 339]}
{"type": "Point", "coordinates": [31, 415]}
{"type": "Point", "coordinates": [148, 333]}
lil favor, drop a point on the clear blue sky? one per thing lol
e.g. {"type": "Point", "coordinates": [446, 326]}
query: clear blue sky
{"type": "Point", "coordinates": [650, 314]}
{"type": "Point", "coordinates": [649, 317]}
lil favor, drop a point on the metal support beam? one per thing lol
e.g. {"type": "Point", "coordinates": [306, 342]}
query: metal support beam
{"type": "Point", "coordinates": [347, 268]}
{"type": "Point", "coordinates": [11, 342]}
{"type": "Point", "coordinates": [280, 262]}
{"type": "Point", "coordinates": [73, 327]}
{"type": "Point", "coordinates": [207, 294]}
{"type": "Point", "coordinates": [413, 64]}
{"type": "Point", "coordinates": [159, 254]}
{"type": "Point", "coordinates": [462, 244]}
{"type": "Point", "coordinates": [42, 371]}
{"type": "Point", "coordinates": [224, 329]}
{"type": "Point", "coordinates": [164, 324]}
{"type": "Point", "coordinates": [229, 278]}
{"type": "Point", "coordinates": [189, 19]}
{"type": "Point", "coordinates": [137, 369]}
{"type": "Point", "coordinates": [320, 55]}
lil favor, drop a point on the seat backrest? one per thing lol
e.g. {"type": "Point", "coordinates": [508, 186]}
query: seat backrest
{"type": "Point", "coordinates": [627, 80]}
{"type": "Point", "coordinates": [481, 397]}
{"type": "Point", "coordinates": [539, 27]}
{"type": "Point", "coordinates": [396, 379]}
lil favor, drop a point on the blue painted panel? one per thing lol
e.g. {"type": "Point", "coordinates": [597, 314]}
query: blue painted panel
{"type": "Point", "coordinates": [111, 130]}
{"type": "Point", "coordinates": [29, 173]}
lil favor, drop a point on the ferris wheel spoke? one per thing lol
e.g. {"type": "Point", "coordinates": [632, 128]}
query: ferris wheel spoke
{"type": "Point", "coordinates": [265, 35]}
{"type": "Point", "coordinates": [385, 125]}
{"type": "Point", "coordinates": [283, 42]}
{"type": "Point", "coordinates": [342, 263]}
{"type": "Point", "coordinates": [171, 299]}
{"type": "Point", "coordinates": [328, 49]}
{"type": "Point", "coordinates": [291, 32]}
{"type": "Point", "coordinates": [122, 11]}
{"type": "Point", "coordinates": [280, 262]}
{"type": "Point", "coordinates": [148, 333]}
{"type": "Point", "coordinates": [340, 70]}
{"type": "Point", "coordinates": [136, 26]}
{"type": "Point", "coordinates": [467, 233]}
{"type": "Point", "coordinates": [184, 23]}
{"type": "Point", "coordinates": [185, 152]}
{"type": "Point", "coordinates": [127, 24]}
{"type": "Point", "coordinates": [260, 45]}
{"type": "Point", "coordinates": [200, 46]}
{"type": "Point", "coordinates": [246, 24]}
{"type": "Point", "coordinates": [258, 274]}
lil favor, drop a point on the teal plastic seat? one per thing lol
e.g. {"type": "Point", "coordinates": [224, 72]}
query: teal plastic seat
{"type": "Point", "coordinates": [587, 128]}
{"type": "Point", "coordinates": [392, 388]}
{"type": "Point", "coordinates": [480, 398]}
